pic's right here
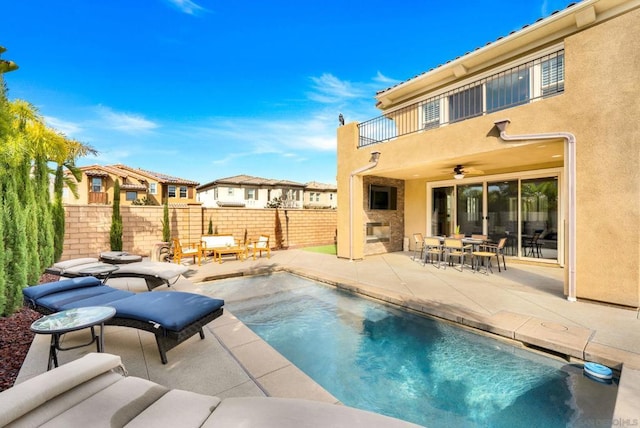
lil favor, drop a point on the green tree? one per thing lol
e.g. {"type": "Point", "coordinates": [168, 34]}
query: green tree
{"type": "Point", "coordinates": [166, 230]}
{"type": "Point", "coordinates": [15, 239]}
{"type": "Point", "coordinates": [115, 235]}
{"type": "Point", "coordinates": [3, 276]}
{"type": "Point", "coordinates": [58, 215]}
{"type": "Point", "coordinates": [210, 230]}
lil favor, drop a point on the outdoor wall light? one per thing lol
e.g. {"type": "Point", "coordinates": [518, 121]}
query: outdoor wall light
{"type": "Point", "coordinates": [374, 156]}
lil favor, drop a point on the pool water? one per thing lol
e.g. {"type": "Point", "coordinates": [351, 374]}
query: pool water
{"type": "Point", "coordinates": [379, 358]}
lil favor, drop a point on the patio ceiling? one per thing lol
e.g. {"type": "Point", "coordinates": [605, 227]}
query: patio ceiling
{"type": "Point", "coordinates": [512, 158]}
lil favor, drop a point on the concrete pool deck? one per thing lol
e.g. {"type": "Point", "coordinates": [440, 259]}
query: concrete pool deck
{"type": "Point", "coordinates": [524, 303]}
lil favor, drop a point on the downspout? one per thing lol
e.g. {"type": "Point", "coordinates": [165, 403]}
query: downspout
{"type": "Point", "coordinates": [375, 156]}
{"type": "Point", "coordinates": [570, 169]}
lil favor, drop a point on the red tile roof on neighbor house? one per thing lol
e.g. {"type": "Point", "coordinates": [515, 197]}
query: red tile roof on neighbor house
{"type": "Point", "coordinates": [157, 176]}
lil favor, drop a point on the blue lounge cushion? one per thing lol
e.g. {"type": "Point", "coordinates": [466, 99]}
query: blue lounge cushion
{"type": "Point", "coordinates": [103, 299]}
{"type": "Point", "coordinates": [34, 293]}
{"type": "Point", "coordinates": [173, 310]}
{"type": "Point", "coordinates": [81, 297]}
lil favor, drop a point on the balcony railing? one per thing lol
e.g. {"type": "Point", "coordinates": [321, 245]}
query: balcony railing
{"type": "Point", "coordinates": [528, 82]}
{"type": "Point", "coordinates": [98, 197]}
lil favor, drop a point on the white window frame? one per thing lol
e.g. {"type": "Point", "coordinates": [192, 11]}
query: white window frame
{"type": "Point", "coordinates": [184, 192]}
{"type": "Point", "coordinates": [171, 191]}
{"type": "Point", "coordinates": [153, 188]}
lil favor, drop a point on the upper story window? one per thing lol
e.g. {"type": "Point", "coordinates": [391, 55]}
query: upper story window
{"type": "Point", "coordinates": [171, 191]}
{"type": "Point", "coordinates": [466, 103]}
{"type": "Point", "coordinates": [131, 196]}
{"type": "Point", "coordinates": [431, 113]}
{"type": "Point", "coordinates": [96, 184]}
{"type": "Point", "coordinates": [215, 193]}
{"type": "Point", "coordinates": [508, 89]}
{"type": "Point", "coordinates": [553, 75]}
{"type": "Point", "coordinates": [183, 191]}
{"type": "Point", "coordinates": [153, 188]}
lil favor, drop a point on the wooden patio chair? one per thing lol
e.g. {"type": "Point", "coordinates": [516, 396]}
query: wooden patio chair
{"type": "Point", "coordinates": [262, 244]}
{"type": "Point", "coordinates": [190, 251]}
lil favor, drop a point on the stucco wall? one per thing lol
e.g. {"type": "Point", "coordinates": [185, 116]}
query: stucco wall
{"type": "Point", "coordinates": [87, 226]}
{"type": "Point", "coordinates": [602, 101]}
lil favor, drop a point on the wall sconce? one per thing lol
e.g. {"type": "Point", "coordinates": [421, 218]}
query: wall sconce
{"type": "Point", "coordinates": [374, 157]}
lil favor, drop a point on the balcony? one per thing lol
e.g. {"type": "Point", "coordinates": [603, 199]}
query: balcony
{"type": "Point", "coordinates": [528, 82]}
{"type": "Point", "coordinates": [98, 198]}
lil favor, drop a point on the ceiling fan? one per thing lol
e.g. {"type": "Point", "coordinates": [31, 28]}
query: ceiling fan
{"type": "Point", "coordinates": [459, 171]}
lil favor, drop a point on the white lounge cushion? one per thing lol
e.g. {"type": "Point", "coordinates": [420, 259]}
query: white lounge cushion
{"type": "Point", "coordinates": [35, 392]}
{"type": "Point", "coordinates": [294, 413]}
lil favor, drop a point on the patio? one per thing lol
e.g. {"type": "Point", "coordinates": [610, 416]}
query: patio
{"type": "Point", "coordinates": [525, 302]}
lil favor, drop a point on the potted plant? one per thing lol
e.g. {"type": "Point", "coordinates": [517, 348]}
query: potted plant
{"type": "Point", "coordinates": [457, 233]}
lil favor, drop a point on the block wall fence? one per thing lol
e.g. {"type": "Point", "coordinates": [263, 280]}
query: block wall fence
{"type": "Point", "coordinates": [87, 227]}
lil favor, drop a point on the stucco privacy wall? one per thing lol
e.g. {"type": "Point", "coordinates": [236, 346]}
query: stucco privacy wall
{"type": "Point", "coordinates": [87, 226]}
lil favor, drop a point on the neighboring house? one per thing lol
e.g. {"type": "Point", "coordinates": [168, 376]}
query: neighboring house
{"type": "Point", "coordinates": [320, 196]}
{"type": "Point", "coordinates": [250, 192]}
{"type": "Point", "coordinates": [137, 186]}
{"type": "Point", "coordinates": [559, 179]}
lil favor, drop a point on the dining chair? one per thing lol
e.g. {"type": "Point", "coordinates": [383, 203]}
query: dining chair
{"type": "Point", "coordinates": [455, 248]}
{"type": "Point", "coordinates": [531, 245]}
{"type": "Point", "coordinates": [433, 247]}
{"type": "Point", "coordinates": [497, 250]}
{"type": "Point", "coordinates": [418, 244]}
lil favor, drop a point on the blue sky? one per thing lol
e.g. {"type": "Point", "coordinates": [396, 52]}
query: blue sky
{"type": "Point", "coordinates": [208, 89]}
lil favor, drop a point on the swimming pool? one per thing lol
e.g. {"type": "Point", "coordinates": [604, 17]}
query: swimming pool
{"type": "Point", "coordinates": [379, 358]}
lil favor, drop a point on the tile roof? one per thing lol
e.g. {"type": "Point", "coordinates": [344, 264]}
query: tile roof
{"type": "Point", "coordinates": [248, 180]}
{"type": "Point", "coordinates": [158, 176]}
{"type": "Point", "coordinates": [476, 49]}
{"type": "Point", "coordinates": [314, 185]}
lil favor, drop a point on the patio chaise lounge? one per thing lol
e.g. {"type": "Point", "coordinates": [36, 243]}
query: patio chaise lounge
{"type": "Point", "coordinates": [172, 316]}
{"type": "Point", "coordinates": [94, 391]}
{"type": "Point", "coordinates": [155, 274]}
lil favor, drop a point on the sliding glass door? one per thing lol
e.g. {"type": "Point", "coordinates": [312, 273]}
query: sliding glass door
{"type": "Point", "coordinates": [502, 213]}
{"type": "Point", "coordinates": [469, 211]}
{"type": "Point", "coordinates": [539, 218]}
{"type": "Point", "coordinates": [524, 210]}
{"type": "Point", "coordinates": [442, 208]}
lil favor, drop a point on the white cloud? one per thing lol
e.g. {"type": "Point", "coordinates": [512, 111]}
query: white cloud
{"type": "Point", "coordinates": [381, 78]}
{"type": "Point", "coordinates": [64, 126]}
{"type": "Point", "coordinates": [329, 89]}
{"type": "Point", "coordinates": [124, 122]}
{"type": "Point", "coordinates": [187, 6]}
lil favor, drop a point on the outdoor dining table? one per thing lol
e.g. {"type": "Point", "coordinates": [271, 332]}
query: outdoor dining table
{"type": "Point", "coordinates": [474, 242]}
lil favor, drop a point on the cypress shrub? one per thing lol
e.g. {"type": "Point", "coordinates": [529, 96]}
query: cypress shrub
{"type": "Point", "coordinates": [115, 235]}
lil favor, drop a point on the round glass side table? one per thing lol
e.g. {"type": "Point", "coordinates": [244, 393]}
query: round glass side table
{"type": "Point", "coordinates": [71, 320]}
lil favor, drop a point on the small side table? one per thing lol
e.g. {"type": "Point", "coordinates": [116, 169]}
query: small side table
{"type": "Point", "coordinates": [71, 320]}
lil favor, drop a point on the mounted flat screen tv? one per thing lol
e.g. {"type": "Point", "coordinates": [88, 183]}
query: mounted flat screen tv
{"type": "Point", "coordinates": [383, 197]}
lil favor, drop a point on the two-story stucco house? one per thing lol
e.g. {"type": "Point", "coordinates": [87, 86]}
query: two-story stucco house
{"type": "Point", "coordinates": [250, 192]}
{"type": "Point", "coordinates": [320, 195]}
{"type": "Point", "coordinates": [136, 186]}
{"type": "Point", "coordinates": [536, 134]}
